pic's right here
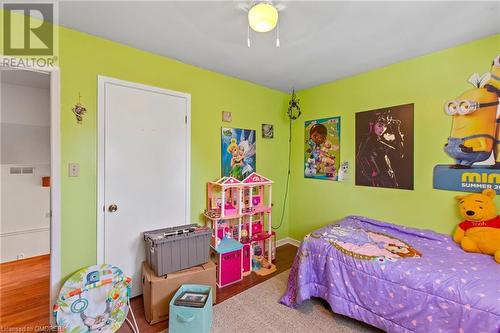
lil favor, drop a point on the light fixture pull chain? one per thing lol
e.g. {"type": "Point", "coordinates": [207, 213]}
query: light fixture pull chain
{"type": "Point", "coordinates": [278, 35]}
{"type": "Point", "coordinates": [248, 35]}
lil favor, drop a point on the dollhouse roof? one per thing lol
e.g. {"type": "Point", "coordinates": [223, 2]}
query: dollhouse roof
{"type": "Point", "coordinates": [228, 245]}
{"type": "Point", "coordinates": [228, 181]}
{"type": "Point", "coordinates": [255, 178]}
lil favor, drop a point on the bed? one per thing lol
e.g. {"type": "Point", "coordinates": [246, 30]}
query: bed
{"type": "Point", "coordinates": [396, 278]}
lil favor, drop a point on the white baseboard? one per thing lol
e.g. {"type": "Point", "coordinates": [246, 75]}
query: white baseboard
{"type": "Point", "coordinates": [24, 244]}
{"type": "Point", "coordinates": [287, 240]}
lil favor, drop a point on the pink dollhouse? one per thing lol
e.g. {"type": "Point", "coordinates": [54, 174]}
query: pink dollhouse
{"type": "Point", "coordinates": [239, 213]}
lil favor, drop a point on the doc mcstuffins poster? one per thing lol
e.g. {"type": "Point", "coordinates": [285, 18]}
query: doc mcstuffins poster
{"type": "Point", "coordinates": [238, 152]}
{"type": "Point", "coordinates": [322, 148]}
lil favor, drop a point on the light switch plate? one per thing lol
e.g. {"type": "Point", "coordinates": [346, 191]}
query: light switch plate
{"type": "Point", "coordinates": [227, 116]}
{"type": "Point", "coordinates": [74, 170]}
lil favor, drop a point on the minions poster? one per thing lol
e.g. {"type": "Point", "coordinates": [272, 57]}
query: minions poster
{"type": "Point", "coordinates": [474, 141]}
{"type": "Point", "coordinates": [322, 148]}
{"type": "Point", "coordinates": [238, 152]}
{"type": "Point", "coordinates": [384, 147]}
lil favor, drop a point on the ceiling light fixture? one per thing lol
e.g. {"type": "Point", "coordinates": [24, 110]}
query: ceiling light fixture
{"type": "Point", "coordinates": [263, 17]}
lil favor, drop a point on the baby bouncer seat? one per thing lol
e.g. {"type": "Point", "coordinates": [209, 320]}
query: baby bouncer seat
{"type": "Point", "coordinates": [94, 299]}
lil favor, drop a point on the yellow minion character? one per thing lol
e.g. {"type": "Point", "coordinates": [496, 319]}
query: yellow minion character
{"type": "Point", "coordinates": [474, 124]}
{"type": "Point", "coordinates": [494, 87]}
{"type": "Point", "coordinates": [494, 83]}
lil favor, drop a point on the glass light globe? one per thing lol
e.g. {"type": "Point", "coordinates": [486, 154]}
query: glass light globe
{"type": "Point", "coordinates": [263, 17]}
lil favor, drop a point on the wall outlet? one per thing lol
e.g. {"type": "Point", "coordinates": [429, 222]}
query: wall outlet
{"type": "Point", "coordinates": [74, 170]}
{"type": "Point", "coordinates": [227, 116]}
{"type": "Point", "coordinates": [20, 256]}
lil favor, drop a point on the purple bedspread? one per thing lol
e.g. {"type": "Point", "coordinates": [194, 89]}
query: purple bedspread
{"type": "Point", "coordinates": [396, 278]}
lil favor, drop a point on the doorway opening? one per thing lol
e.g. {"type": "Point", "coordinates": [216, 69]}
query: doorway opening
{"type": "Point", "coordinates": [29, 196]}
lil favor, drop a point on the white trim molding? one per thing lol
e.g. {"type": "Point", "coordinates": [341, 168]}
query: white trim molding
{"type": "Point", "coordinates": [287, 240]}
{"type": "Point", "coordinates": [55, 167]}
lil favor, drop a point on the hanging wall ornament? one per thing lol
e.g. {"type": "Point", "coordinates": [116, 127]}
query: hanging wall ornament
{"type": "Point", "coordinates": [79, 110]}
{"type": "Point", "coordinates": [294, 107]}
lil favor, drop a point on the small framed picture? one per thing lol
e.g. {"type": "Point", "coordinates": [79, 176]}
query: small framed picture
{"type": "Point", "coordinates": [192, 299]}
{"type": "Point", "coordinates": [267, 131]}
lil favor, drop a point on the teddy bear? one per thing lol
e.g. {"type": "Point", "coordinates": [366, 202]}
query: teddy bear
{"type": "Point", "coordinates": [480, 232]}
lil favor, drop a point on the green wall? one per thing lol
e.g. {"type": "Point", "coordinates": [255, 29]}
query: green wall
{"type": "Point", "coordinates": [428, 81]}
{"type": "Point", "coordinates": [83, 57]}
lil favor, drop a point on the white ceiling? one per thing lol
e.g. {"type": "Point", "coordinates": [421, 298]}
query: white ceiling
{"type": "Point", "coordinates": [320, 41]}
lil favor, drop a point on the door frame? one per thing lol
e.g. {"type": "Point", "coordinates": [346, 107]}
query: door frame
{"type": "Point", "coordinates": [101, 126]}
{"type": "Point", "coordinates": [55, 168]}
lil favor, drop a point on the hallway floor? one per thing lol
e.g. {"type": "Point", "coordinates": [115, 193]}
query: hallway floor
{"type": "Point", "coordinates": [24, 293]}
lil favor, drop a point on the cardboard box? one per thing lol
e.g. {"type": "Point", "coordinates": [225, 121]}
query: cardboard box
{"type": "Point", "coordinates": [158, 291]}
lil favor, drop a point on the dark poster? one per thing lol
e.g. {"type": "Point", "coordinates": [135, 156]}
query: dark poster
{"type": "Point", "coordinates": [384, 147]}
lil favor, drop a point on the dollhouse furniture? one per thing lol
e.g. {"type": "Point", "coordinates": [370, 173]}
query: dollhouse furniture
{"type": "Point", "coordinates": [229, 261]}
{"type": "Point", "coordinates": [242, 212]}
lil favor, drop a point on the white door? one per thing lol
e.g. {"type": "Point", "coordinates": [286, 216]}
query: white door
{"type": "Point", "coordinates": [144, 169]}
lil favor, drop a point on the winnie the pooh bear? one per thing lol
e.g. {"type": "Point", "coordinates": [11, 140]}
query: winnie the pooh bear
{"type": "Point", "coordinates": [480, 232]}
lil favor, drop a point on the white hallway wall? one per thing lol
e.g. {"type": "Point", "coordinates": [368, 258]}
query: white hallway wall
{"type": "Point", "coordinates": [25, 142]}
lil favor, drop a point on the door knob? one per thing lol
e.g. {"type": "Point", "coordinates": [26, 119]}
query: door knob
{"type": "Point", "coordinates": [112, 208]}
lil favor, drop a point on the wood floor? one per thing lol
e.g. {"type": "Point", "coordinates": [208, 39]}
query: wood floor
{"type": "Point", "coordinates": [24, 292]}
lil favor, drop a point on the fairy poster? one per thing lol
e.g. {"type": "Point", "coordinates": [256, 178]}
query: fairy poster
{"type": "Point", "coordinates": [238, 152]}
{"type": "Point", "coordinates": [322, 148]}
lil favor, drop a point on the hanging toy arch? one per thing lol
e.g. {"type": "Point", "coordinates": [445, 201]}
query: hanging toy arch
{"type": "Point", "coordinates": [94, 299]}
